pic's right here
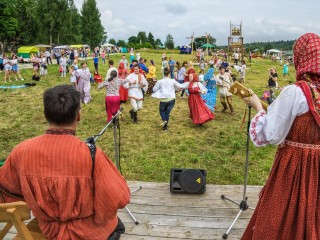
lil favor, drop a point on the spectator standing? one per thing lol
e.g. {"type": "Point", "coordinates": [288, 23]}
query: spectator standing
{"type": "Point", "coordinates": [236, 58]}
{"type": "Point", "coordinates": [48, 56]}
{"type": "Point", "coordinates": [63, 65]}
{"type": "Point", "coordinates": [124, 61]}
{"type": "Point", "coordinates": [43, 66]}
{"type": "Point", "coordinates": [103, 57]}
{"type": "Point", "coordinates": [96, 62]}
{"type": "Point", "coordinates": [83, 85]}
{"type": "Point", "coordinates": [171, 64]}
{"type": "Point", "coordinates": [138, 56]}
{"type": "Point", "coordinates": [243, 71]}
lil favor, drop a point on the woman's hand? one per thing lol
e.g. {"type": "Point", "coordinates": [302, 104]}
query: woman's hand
{"type": "Point", "coordinates": [254, 102]}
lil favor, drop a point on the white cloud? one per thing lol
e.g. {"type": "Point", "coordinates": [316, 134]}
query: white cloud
{"type": "Point", "coordinates": [262, 20]}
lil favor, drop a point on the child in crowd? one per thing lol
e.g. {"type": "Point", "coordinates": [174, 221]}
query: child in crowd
{"type": "Point", "coordinates": [43, 66]}
{"type": "Point", "coordinates": [285, 70]}
{"type": "Point", "coordinates": [73, 78]}
{"type": "Point", "coordinates": [97, 77]}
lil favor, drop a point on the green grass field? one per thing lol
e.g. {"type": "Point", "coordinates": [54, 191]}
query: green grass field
{"type": "Point", "coordinates": [148, 153]}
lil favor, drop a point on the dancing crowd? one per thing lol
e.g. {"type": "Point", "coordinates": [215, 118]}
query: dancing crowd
{"type": "Point", "coordinates": [135, 81]}
{"type": "Point", "coordinates": [71, 199]}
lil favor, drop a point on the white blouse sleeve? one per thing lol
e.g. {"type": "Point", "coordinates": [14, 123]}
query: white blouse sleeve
{"type": "Point", "coordinates": [274, 126]}
{"type": "Point", "coordinates": [203, 89]}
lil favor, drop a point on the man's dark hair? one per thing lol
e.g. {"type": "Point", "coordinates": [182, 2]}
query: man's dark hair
{"type": "Point", "coordinates": [134, 61]}
{"type": "Point", "coordinates": [141, 60]}
{"type": "Point", "coordinates": [166, 71]}
{"type": "Point", "coordinates": [136, 65]}
{"type": "Point", "coordinates": [221, 67]}
{"type": "Point", "coordinates": [111, 62]}
{"type": "Point", "coordinates": [61, 104]}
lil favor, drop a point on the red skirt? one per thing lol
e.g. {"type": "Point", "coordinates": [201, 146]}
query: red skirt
{"type": "Point", "coordinates": [199, 112]}
{"type": "Point", "coordinates": [112, 106]}
{"type": "Point", "coordinates": [123, 94]}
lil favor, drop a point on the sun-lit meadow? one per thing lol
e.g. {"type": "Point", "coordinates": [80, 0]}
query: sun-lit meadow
{"type": "Point", "coordinates": [148, 153]}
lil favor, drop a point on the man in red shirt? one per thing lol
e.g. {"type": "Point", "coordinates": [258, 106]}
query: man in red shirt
{"type": "Point", "coordinates": [54, 173]}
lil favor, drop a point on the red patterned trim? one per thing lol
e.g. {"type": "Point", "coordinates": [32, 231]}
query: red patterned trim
{"type": "Point", "coordinates": [299, 145]}
{"type": "Point", "coordinates": [307, 92]}
{"type": "Point", "coordinates": [253, 130]}
{"type": "Point", "coordinates": [60, 131]}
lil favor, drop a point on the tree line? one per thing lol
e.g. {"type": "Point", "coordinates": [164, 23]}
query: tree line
{"type": "Point", "coordinates": [144, 40]}
{"type": "Point", "coordinates": [264, 46]}
{"type": "Point", "coordinates": [29, 22]}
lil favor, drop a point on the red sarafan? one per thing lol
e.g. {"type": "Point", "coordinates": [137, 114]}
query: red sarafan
{"type": "Point", "coordinates": [288, 205]}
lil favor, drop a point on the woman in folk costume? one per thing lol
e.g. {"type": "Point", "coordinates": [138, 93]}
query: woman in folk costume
{"type": "Point", "coordinates": [288, 207]}
{"type": "Point", "coordinates": [199, 112]}
{"type": "Point", "coordinates": [122, 74]}
{"type": "Point", "coordinates": [186, 78]}
{"type": "Point", "coordinates": [83, 83]}
{"type": "Point", "coordinates": [210, 98]}
{"type": "Point", "coordinates": [112, 100]}
{"type": "Point", "coordinates": [151, 77]}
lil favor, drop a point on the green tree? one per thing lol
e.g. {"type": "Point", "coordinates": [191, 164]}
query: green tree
{"type": "Point", "coordinates": [28, 22]}
{"type": "Point", "coordinates": [151, 39]}
{"type": "Point", "coordinates": [169, 43]}
{"type": "Point", "coordinates": [112, 41]}
{"type": "Point", "coordinates": [147, 45]}
{"type": "Point", "coordinates": [92, 29]}
{"type": "Point", "coordinates": [121, 43]}
{"type": "Point", "coordinates": [133, 40]}
{"type": "Point", "coordinates": [75, 23]}
{"type": "Point", "coordinates": [211, 40]}
{"type": "Point", "coordinates": [158, 42]}
{"type": "Point", "coordinates": [142, 37]}
{"type": "Point", "coordinates": [8, 22]}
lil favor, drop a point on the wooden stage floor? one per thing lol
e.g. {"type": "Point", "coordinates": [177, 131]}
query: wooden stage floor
{"type": "Point", "coordinates": [163, 215]}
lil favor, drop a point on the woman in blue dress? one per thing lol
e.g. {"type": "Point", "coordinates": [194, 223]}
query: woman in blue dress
{"type": "Point", "coordinates": [211, 96]}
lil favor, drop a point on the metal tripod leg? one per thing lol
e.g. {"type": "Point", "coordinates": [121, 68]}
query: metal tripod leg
{"type": "Point", "coordinates": [225, 236]}
{"type": "Point", "coordinates": [131, 215]}
{"type": "Point", "coordinates": [243, 205]}
{"type": "Point", "coordinates": [133, 218]}
{"type": "Point", "coordinates": [115, 126]}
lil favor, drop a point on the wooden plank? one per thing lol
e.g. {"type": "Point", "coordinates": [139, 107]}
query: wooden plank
{"type": "Point", "coordinates": [160, 200]}
{"type": "Point", "coordinates": [183, 211]}
{"type": "Point", "coordinates": [211, 187]}
{"type": "Point", "coordinates": [184, 221]}
{"type": "Point", "coordinates": [163, 215]}
{"type": "Point", "coordinates": [165, 232]}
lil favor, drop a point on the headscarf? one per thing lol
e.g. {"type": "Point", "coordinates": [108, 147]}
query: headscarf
{"type": "Point", "coordinates": [195, 77]}
{"type": "Point", "coordinates": [209, 74]}
{"type": "Point", "coordinates": [121, 70]}
{"type": "Point", "coordinates": [307, 63]}
{"type": "Point", "coordinates": [191, 70]}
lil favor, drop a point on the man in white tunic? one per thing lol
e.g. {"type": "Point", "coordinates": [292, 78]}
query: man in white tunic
{"type": "Point", "coordinates": [136, 83]}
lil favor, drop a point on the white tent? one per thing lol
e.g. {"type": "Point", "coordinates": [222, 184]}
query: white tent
{"type": "Point", "coordinates": [271, 51]}
{"type": "Point", "coordinates": [107, 45]}
{"type": "Point", "coordinates": [61, 47]}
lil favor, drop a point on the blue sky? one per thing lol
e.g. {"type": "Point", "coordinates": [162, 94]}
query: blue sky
{"type": "Point", "coordinates": [262, 20]}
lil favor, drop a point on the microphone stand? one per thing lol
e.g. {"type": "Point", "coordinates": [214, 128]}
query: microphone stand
{"type": "Point", "coordinates": [91, 141]}
{"type": "Point", "coordinates": [243, 205]}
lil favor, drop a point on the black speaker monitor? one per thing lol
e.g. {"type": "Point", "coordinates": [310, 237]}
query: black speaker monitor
{"type": "Point", "coordinates": [187, 180]}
